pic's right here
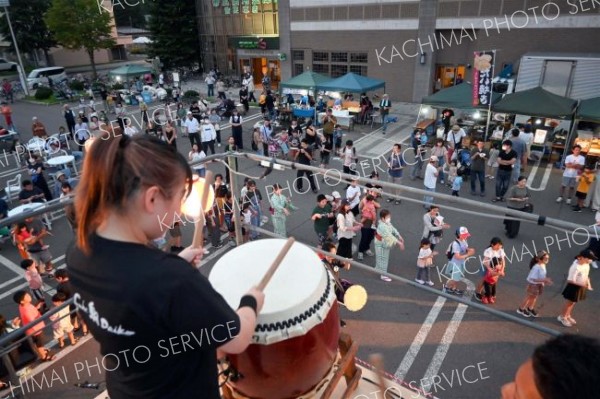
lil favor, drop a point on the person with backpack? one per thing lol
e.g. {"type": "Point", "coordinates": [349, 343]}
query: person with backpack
{"type": "Point", "coordinates": [458, 252]}
{"type": "Point", "coordinates": [536, 281]}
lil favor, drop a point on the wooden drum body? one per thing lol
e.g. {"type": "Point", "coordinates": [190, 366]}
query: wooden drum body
{"type": "Point", "coordinates": [296, 337]}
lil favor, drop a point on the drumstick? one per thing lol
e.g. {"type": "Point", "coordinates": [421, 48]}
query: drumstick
{"type": "Point", "coordinates": [376, 360]}
{"type": "Point", "coordinates": [199, 227]}
{"type": "Point", "coordinates": [267, 277]}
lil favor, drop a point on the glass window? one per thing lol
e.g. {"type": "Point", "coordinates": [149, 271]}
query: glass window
{"type": "Point", "coordinates": [339, 57]}
{"type": "Point", "coordinates": [361, 58]}
{"type": "Point", "coordinates": [338, 70]}
{"type": "Point", "coordinates": [320, 56]}
{"type": "Point", "coordinates": [321, 68]}
{"type": "Point", "coordinates": [298, 69]}
{"type": "Point", "coordinates": [298, 55]}
{"type": "Point", "coordinates": [359, 69]}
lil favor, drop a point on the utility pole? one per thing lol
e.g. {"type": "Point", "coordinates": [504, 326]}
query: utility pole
{"type": "Point", "coordinates": [6, 4]}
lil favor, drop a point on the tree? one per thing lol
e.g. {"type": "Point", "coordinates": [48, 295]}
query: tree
{"type": "Point", "coordinates": [81, 24]}
{"type": "Point", "coordinates": [176, 44]}
{"type": "Point", "coordinates": [31, 32]}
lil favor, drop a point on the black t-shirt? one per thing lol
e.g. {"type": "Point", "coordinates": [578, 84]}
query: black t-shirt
{"type": "Point", "coordinates": [140, 301]}
{"type": "Point", "coordinates": [507, 156]}
{"type": "Point", "coordinates": [303, 158]}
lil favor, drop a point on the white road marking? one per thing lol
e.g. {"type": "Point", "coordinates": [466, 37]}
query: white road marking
{"type": "Point", "coordinates": [9, 282]}
{"type": "Point", "coordinates": [103, 395]}
{"type": "Point", "coordinates": [420, 338]}
{"type": "Point", "coordinates": [545, 178]}
{"type": "Point", "coordinates": [442, 349]}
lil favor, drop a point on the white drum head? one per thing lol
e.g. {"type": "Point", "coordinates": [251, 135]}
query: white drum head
{"type": "Point", "coordinates": [298, 297]}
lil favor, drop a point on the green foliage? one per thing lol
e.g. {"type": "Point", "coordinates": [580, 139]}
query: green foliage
{"type": "Point", "coordinates": [177, 43]}
{"type": "Point", "coordinates": [118, 86]}
{"type": "Point", "coordinates": [137, 50]}
{"type": "Point", "coordinates": [191, 94]}
{"type": "Point", "coordinates": [131, 15]}
{"type": "Point", "coordinates": [76, 85]}
{"type": "Point", "coordinates": [80, 24]}
{"type": "Point", "coordinates": [43, 93]}
{"type": "Point", "coordinates": [27, 19]}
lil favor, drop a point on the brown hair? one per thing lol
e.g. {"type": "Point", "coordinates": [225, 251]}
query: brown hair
{"type": "Point", "coordinates": [115, 169]}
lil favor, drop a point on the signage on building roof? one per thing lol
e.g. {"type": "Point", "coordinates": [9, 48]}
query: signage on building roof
{"type": "Point", "coordinates": [254, 43]}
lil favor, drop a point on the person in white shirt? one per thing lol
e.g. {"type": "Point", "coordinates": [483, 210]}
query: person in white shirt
{"type": "Point", "coordinates": [208, 134]}
{"type": "Point", "coordinates": [454, 139]}
{"type": "Point", "coordinates": [196, 155]}
{"type": "Point", "coordinates": [578, 283]}
{"type": "Point", "coordinates": [353, 196]}
{"type": "Point", "coordinates": [130, 130]}
{"type": "Point", "coordinates": [431, 173]}
{"type": "Point", "coordinates": [527, 136]}
{"type": "Point", "coordinates": [493, 257]}
{"type": "Point", "coordinates": [192, 129]}
{"type": "Point", "coordinates": [573, 167]}
{"type": "Point", "coordinates": [536, 281]}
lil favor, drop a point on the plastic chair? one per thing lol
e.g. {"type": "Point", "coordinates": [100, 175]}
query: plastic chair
{"type": "Point", "coordinates": [13, 188]}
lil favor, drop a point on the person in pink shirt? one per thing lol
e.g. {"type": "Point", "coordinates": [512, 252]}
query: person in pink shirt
{"type": "Point", "coordinates": [34, 279]}
{"type": "Point", "coordinates": [29, 313]}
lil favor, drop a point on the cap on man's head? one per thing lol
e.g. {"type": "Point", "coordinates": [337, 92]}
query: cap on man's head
{"type": "Point", "coordinates": [58, 175]}
{"type": "Point", "coordinates": [336, 195]}
{"type": "Point", "coordinates": [456, 128]}
{"type": "Point", "coordinates": [433, 158]}
{"type": "Point", "coordinates": [462, 231]}
{"type": "Point", "coordinates": [189, 113]}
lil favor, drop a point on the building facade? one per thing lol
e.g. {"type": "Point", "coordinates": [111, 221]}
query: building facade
{"type": "Point", "coordinates": [415, 46]}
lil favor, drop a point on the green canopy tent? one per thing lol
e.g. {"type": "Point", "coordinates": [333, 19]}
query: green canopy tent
{"type": "Point", "coordinates": [129, 71]}
{"type": "Point", "coordinates": [308, 80]}
{"type": "Point", "coordinates": [537, 102]}
{"type": "Point", "coordinates": [589, 110]}
{"type": "Point", "coordinates": [459, 96]}
{"type": "Point", "coordinates": [352, 83]}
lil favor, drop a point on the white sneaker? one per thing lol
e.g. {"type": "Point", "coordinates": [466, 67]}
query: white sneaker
{"type": "Point", "coordinates": [386, 278]}
{"type": "Point", "coordinates": [218, 144]}
{"type": "Point", "coordinates": [205, 251]}
{"type": "Point", "coordinates": [595, 264]}
{"type": "Point", "coordinates": [430, 283]}
{"type": "Point", "coordinates": [565, 322]}
{"type": "Point", "coordinates": [369, 253]}
{"type": "Point", "coordinates": [571, 320]}
{"type": "Point", "coordinates": [568, 201]}
{"type": "Point", "coordinates": [420, 281]}
{"type": "Point", "coordinates": [360, 256]}
{"type": "Point", "coordinates": [559, 200]}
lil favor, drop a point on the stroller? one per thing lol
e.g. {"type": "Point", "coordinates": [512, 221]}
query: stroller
{"type": "Point", "coordinates": [225, 109]}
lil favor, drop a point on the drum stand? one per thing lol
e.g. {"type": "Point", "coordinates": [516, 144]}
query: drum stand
{"type": "Point", "coordinates": [344, 367]}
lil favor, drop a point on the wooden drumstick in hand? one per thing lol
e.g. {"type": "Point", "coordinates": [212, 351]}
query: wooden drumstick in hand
{"type": "Point", "coordinates": [267, 277]}
{"type": "Point", "coordinates": [199, 227]}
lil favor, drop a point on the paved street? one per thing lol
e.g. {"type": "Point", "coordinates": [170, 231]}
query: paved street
{"type": "Point", "coordinates": [425, 337]}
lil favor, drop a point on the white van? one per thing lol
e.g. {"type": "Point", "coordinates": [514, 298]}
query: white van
{"type": "Point", "coordinates": [40, 76]}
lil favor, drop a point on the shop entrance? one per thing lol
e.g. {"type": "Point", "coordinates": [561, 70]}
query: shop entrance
{"type": "Point", "coordinates": [260, 67]}
{"type": "Point", "coordinates": [447, 75]}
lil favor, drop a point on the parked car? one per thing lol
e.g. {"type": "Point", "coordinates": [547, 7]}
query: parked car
{"type": "Point", "coordinates": [40, 76]}
{"type": "Point", "coordinates": [7, 65]}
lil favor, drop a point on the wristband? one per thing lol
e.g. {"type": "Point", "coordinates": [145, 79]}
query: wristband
{"type": "Point", "coordinates": [249, 301]}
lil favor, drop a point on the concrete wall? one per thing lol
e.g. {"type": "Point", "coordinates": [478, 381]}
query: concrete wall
{"type": "Point", "coordinates": [67, 58]}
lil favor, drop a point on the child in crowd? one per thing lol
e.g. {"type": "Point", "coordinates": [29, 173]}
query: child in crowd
{"type": "Point", "coordinates": [492, 163]}
{"type": "Point", "coordinates": [326, 149]}
{"type": "Point", "coordinates": [451, 171]}
{"type": "Point", "coordinates": [35, 281]}
{"type": "Point", "coordinates": [64, 287]}
{"type": "Point", "coordinates": [337, 139]}
{"type": "Point", "coordinates": [457, 183]}
{"type": "Point", "coordinates": [28, 313]}
{"type": "Point", "coordinates": [246, 220]}
{"type": "Point", "coordinates": [578, 283]}
{"type": "Point", "coordinates": [424, 262]}
{"type": "Point", "coordinates": [585, 181]}
{"type": "Point", "coordinates": [536, 280]}
{"type": "Point", "coordinates": [494, 270]}
{"type": "Point", "coordinates": [62, 321]}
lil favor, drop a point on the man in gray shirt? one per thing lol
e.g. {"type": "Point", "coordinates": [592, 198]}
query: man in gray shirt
{"type": "Point", "coordinates": [521, 149]}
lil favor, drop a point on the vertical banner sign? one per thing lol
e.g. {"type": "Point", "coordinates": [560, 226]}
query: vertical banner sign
{"type": "Point", "coordinates": [482, 78]}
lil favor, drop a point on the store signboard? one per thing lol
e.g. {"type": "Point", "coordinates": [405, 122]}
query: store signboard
{"type": "Point", "coordinates": [245, 6]}
{"type": "Point", "coordinates": [254, 43]}
{"type": "Point", "coordinates": [482, 78]}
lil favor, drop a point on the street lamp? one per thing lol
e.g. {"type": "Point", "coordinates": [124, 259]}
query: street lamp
{"type": "Point", "coordinates": [6, 4]}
